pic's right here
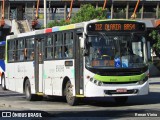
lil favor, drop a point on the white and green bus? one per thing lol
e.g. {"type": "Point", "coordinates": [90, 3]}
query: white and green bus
{"type": "Point", "coordinates": [98, 58]}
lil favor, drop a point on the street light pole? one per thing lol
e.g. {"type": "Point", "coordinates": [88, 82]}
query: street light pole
{"type": "Point", "coordinates": [45, 14]}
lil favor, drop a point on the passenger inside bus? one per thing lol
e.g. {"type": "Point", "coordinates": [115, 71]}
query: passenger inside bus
{"type": "Point", "coordinates": [69, 53]}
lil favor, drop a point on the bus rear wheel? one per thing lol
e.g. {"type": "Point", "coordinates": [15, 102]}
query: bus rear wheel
{"type": "Point", "coordinates": [121, 100]}
{"type": "Point", "coordinates": [71, 100]}
{"type": "Point", "coordinates": [3, 83]}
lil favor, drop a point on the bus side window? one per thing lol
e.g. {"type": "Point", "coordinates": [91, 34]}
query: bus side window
{"type": "Point", "coordinates": [11, 56]}
{"type": "Point", "coordinates": [32, 56]}
{"type": "Point", "coordinates": [21, 55]}
{"type": "Point", "coordinates": [58, 52]}
{"type": "Point", "coordinates": [68, 45]}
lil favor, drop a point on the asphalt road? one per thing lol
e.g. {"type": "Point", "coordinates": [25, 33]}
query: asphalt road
{"type": "Point", "coordinates": [137, 106]}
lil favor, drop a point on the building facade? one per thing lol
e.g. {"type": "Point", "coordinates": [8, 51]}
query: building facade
{"type": "Point", "coordinates": [148, 10]}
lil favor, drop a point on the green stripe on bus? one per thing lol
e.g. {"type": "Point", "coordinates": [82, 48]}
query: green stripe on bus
{"type": "Point", "coordinates": [120, 78]}
{"type": "Point", "coordinates": [67, 27]}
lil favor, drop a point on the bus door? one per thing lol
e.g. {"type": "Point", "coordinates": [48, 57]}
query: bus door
{"type": "Point", "coordinates": [78, 67]}
{"type": "Point", "coordinates": [38, 62]}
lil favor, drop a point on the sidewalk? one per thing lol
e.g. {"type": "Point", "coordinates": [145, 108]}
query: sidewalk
{"type": "Point", "coordinates": [154, 80]}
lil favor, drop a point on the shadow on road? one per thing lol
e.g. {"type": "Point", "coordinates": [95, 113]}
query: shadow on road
{"type": "Point", "coordinates": [152, 98]}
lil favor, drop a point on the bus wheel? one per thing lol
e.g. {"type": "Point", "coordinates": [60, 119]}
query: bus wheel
{"type": "Point", "coordinates": [71, 100]}
{"type": "Point", "coordinates": [28, 94]}
{"type": "Point", "coordinates": [3, 83]}
{"type": "Point", "coordinates": [121, 100]}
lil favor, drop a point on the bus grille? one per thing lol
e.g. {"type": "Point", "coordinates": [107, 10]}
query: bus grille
{"type": "Point", "coordinates": [110, 92]}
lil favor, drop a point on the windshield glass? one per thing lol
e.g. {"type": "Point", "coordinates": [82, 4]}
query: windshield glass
{"type": "Point", "coordinates": [115, 51]}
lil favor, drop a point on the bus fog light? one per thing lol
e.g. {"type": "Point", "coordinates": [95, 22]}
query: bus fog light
{"type": "Point", "coordinates": [99, 83]}
{"type": "Point", "coordinates": [91, 79]}
{"type": "Point", "coordinates": [95, 81]}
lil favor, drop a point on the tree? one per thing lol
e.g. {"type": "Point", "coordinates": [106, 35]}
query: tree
{"type": "Point", "coordinates": [155, 35]}
{"type": "Point", "coordinates": [85, 13]}
{"type": "Point", "coordinates": [88, 12]}
{"type": "Point", "coordinates": [56, 23]}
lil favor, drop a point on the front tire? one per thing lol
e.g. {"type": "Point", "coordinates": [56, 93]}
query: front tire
{"type": "Point", "coordinates": [29, 96]}
{"type": "Point", "coordinates": [71, 100]}
{"type": "Point", "coordinates": [121, 100]}
{"type": "Point", "coordinates": [3, 83]}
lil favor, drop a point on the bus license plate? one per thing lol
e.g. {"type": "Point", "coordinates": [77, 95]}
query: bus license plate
{"type": "Point", "coordinates": [121, 90]}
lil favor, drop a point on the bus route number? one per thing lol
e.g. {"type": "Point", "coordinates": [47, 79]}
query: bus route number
{"type": "Point", "coordinates": [98, 26]}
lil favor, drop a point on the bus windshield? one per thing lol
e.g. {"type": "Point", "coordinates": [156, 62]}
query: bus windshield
{"type": "Point", "coordinates": [116, 50]}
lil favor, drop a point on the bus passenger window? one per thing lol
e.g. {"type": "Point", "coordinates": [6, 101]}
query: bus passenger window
{"type": "Point", "coordinates": [13, 57]}
{"type": "Point", "coordinates": [22, 55]}
{"type": "Point", "coordinates": [32, 56]}
{"type": "Point", "coordinates": [49, 56]}
{"type": "Point", "coordinates": [58, 53]}
{"type": "Point", "coordinates": [69, 53]}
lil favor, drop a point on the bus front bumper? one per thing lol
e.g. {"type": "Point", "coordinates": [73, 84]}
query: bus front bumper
{"type": "Point", "coordinates": [93, 90]}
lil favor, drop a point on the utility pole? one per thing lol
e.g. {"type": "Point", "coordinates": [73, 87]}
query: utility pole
{"type": "Point", "coordinates": [45, 14]}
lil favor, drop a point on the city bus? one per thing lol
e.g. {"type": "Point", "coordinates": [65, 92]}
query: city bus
{"type": "Point", "coordinates": [97, 58]}
{"type": "Point", "coordinates": [2, 56]}
{"type": "Point", "coordinates": [3, 33]}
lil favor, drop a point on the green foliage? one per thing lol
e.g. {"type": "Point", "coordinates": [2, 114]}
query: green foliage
{"type": "Point", "coordinates": [86, 12]}
{"type": "Point", "coordinates": [156, 38]}
{"type": "Point", "coordinates": [56, 23]}
{"type": "Point", "coordinates": [155, 35]}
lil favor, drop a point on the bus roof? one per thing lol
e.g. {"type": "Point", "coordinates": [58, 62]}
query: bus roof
{"type": "Point", "coordinates": [35, 32]}
{"type": "Point", "coordinates": [62, 28]}
{"type": "Point", "coordinates": [11, 37]}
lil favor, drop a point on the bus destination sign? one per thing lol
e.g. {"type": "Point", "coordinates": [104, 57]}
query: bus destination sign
{"type": "Point", "coordinates": [116, 27]}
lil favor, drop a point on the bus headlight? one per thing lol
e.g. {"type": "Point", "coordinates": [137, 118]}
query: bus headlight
{"type": "Point", "coordinates": [96, 82]}
{"type": "Point", "coordinates": [143, 81]}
